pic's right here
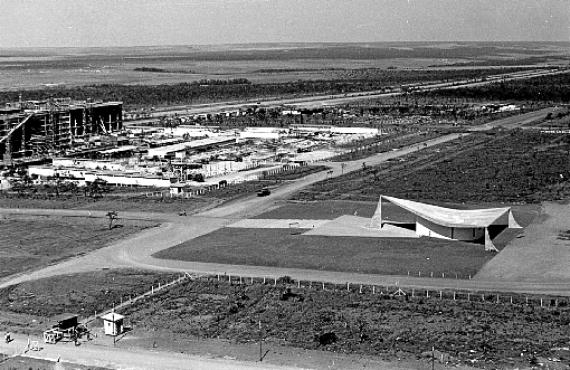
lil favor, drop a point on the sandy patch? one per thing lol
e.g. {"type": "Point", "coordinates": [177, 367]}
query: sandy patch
{"type": "Point", "coordinates": [359, 226]}
{"type": "Point", "coordinates": [259, 223]}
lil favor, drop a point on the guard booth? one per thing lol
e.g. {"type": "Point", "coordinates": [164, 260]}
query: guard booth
{"type": "Point", "coordinates": [113, 323]}
{"type": "Point", "coordinates": [63, 326]}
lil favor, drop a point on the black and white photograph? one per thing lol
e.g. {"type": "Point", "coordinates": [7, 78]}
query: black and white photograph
{"type": "Point", "coordinates": [284, 184]}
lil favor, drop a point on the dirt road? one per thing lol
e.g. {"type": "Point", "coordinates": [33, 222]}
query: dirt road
{"type": "Point", "coordinates": [539, 254]}
{"type": "Point", "coordinates": [137, 250]}
{"type": "Point", "coordinates": [121, 358]}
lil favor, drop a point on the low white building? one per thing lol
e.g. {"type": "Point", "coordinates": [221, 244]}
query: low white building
{"type": "Point", "coordinates": [113, 323]}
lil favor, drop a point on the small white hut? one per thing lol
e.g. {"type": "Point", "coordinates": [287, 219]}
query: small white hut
{"type": "Point", "coordinates": [113, 323]}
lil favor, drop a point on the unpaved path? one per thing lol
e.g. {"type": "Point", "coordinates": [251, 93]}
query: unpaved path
{"type": "Point", "coordinates": [121, 358]}
{"type": "Point", "coordinates": [539, 255]}
{"type": "Point", "coordinates": [137, 250]}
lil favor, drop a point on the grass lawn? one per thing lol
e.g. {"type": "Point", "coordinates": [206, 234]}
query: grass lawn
{"type": "Point", "coordinates": [279, 247]}
{"type": "Point", "coordinates": [320, 210]}
{"type": "Point", "coordinates": [27, 243]}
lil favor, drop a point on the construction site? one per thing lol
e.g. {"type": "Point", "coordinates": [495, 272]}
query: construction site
{"type": "Point", "coordinates": [339, 232]}
{"type": "Point", "coordinates": [34, 130]}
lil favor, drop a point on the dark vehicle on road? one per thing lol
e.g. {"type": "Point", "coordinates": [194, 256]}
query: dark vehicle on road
{"type": "Point", "coordinates": [263, 192]}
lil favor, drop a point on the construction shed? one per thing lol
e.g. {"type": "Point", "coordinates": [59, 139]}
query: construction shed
{"type": "Point", "coordinates": [113, 323]}
{"type": "Point", "coordinates": [474, 225]}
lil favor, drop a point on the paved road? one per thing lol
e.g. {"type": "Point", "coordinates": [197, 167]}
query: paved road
{"type": "Point", "coordinates": [136, 251]}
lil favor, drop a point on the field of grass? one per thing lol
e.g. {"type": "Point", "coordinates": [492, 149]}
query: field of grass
{"type": "Point", "coordinates": [27, 307]}
{"type": "Point", "coordinates": [284, 248]}
{"type": "Point", "coordinates": [511, 167]}
{"type": "Point", "coordinates": [482, 334]}
{"type": "Point", "coordinates": [28, 243]}
{"type": "Point", "coordinates": [323, 210]}
{"type": "Point", "coordinates": [31, 69]}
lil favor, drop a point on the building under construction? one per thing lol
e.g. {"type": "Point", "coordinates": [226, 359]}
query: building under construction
{"type": "Point", "coordinates": [35, 129]}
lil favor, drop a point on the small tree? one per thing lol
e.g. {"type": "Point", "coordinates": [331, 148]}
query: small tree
{"type": "Point", "coordinates": [112, 215]}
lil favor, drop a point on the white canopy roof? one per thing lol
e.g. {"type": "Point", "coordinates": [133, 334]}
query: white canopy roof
{"type": "Point", "coordinates": [454, 217]}
{"type": "Point", "coordinates": [113, 317]}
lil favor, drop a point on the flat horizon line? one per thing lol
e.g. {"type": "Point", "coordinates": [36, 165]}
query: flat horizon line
{"type": "Point", "coordinates": [291, 43]}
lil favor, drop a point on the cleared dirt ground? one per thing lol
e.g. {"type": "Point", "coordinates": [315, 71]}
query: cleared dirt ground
{"type": "Point", "coordinates": [28, 307]}
{"type": "Point", "coordinates": [483, 334]}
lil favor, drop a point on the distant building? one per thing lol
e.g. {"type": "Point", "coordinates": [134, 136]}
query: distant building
{"type": "Point", "coordinates": [35, 128]}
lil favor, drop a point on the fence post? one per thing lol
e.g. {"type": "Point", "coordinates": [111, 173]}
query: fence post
{"type": "Point", "coordinates": [264, 280]}
{"type": "Point", "coordinates": [511, 299]}
{"type": "Point", "coordinates": [427, 293]}
{"type": "Point", "coordinates": [468, 297]}
{"type": "Point", "coordinates": [454, 295]}
{"type": "Point", "coordinates": [373, 289]}
{"type": "Point", "coordinates": [323, 286]}
{"type": "Point", "coordinates": [348, 286]}
{"type": "Point", "coordinates": [298, 283]}
{"type": "Point", "coordinates": [498, 299]}
{"type": "Point", "coordinates": [482, 297]}
{"type": "Point", "coordinates": [413, 292]}
{"type": "Point", "coordinates": [274, 281]}
{"type": "Point", "coordinates": [540, 302]}
{"type": "Point", "coordinates": [440, 294]}
{"type": "Point", "coordinates": [360, 290]}
{"type": "Point", "coordinates": [152, 290]}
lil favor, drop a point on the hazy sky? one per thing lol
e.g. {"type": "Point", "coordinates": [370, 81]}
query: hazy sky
{"type": "Point", "coordinates": [47, 23]}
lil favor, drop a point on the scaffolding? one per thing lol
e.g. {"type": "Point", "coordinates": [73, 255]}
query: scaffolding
{"type": "Point", "coordinates": [42, 128]}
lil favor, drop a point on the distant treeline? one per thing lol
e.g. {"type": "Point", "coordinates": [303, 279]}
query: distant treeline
{"type": "Point", "coordinates": [545, 88]}
{"type": "Point", "coordinates": [205, 91]}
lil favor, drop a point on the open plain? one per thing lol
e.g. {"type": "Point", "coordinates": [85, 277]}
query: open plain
{"type": "Point", "coordinates": [204, 270]}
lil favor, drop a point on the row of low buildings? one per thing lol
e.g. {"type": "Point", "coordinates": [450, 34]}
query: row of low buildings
{"type": "Point", "coordinates": [85, 141]}
{"type": "Point", "coordinates": [165, 157]}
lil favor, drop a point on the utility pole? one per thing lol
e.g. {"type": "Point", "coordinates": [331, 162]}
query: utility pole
{"type": "Point", "coordinates": [432, 358]}
{"type": "Point", "coordinates": [260, 343]}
